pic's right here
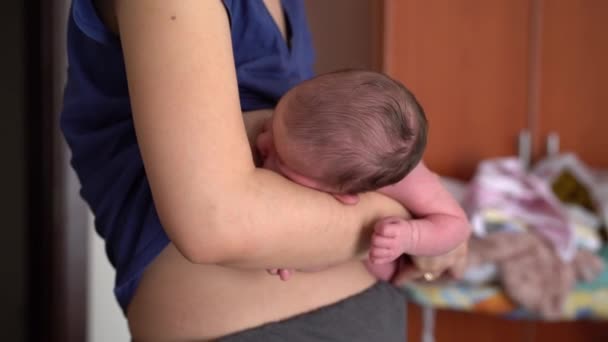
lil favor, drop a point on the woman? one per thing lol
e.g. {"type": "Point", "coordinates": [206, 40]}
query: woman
{"type": "Point", "coordinates": [200, 275]}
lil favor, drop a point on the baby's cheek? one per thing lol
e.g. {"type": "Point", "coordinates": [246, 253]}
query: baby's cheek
{"type": "Point", "coordinates": [263, 144]}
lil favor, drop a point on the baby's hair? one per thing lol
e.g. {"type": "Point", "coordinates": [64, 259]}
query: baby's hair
{"type": "Point", "coordinates": [361, 129]}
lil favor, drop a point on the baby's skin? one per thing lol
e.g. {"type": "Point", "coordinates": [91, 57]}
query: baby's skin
{"type": "Point", "coordinates": [439, 225]}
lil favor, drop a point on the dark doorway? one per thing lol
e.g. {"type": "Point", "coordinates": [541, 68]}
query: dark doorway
{"type": "Point", "coordinates": [43, 258]}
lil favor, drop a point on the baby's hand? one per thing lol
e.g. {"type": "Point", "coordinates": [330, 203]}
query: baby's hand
{"type": "Point", "coordinates": [388, 240]}
{"type": "Point", "coordinates": [283, 273]}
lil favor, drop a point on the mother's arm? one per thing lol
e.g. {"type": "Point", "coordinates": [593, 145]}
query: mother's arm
{"type": "Point", "coordinates": [214, 204]}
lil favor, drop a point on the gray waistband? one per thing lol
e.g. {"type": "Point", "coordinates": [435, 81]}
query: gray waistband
{"type": "Point", "coordinates": [376, 314]}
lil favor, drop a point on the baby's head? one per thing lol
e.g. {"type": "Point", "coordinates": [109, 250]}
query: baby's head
{"type": "Point", "coordinates": [346, 132]}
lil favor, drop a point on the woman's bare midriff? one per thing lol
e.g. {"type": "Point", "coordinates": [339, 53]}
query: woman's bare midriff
{"type": "Point", "coordinates": [178, 300]}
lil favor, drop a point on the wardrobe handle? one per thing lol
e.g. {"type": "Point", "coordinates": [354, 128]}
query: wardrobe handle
{"type": "Point", "coordinates": [524, 148]}
{"type": "Point", "coordinates": [552, 144]}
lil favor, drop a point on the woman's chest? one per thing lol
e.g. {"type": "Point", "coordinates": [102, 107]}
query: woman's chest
{"type": "Point", "coordinates": [272, 49]}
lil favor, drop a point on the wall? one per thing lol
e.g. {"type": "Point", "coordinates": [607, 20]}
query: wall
{"type": "Point", "coordinates": [344, 33]}
{"type": "Point", "coordinates": [106, 321]}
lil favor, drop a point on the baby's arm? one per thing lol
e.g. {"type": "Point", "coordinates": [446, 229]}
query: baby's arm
{"type": "Point", "coordinates": [439, 225]}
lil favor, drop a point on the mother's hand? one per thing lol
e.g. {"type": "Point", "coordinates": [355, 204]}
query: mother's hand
{"type": "Point", "coordinates": [431, 268]}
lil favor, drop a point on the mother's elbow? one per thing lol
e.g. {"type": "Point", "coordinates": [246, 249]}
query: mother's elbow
{"type": "Point", "coordinates": [209, 243]}
{"type": "Point", "coordinates": [200, 253]}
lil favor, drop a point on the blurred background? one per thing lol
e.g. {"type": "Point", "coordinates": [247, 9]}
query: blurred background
{"type": "Point", "coordinates": [518, 79]}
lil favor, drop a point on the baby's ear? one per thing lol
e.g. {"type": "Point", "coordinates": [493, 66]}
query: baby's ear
{"type": "Point", "coordinates": [347, 199]}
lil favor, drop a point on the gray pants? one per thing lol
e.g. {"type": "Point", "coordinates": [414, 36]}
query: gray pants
{"type": "Point", "coordinates": [376, 314]}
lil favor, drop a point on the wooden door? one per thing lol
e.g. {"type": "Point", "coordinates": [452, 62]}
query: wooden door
{"type": "Point", "coordinates": [345, 33]}
{"type": "Point", "coordinates": [573, 84]}
{"type": "Point", "coordinates": [467, 62]}
{"type": "Point", "coordinates": [573, 102]}
{"type": "Point", "coordinates": [483, 71]}
{"type": "Point", "coordinates": [456, 326]}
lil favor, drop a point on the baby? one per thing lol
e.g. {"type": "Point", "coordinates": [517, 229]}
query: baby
{"type": "Point", "coordinates": [350, 132]}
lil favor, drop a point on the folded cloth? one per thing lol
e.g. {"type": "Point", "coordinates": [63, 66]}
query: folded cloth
{"type": "Point", "coordinates": [533, 246]}
{"type": "Point", "coordinates": [504, 185]}
{"type": "Point", "coordinates": [536, 279]}
{"type": "Point", "coordinates": [585, 301]}
{"type": "Point", "coordinates": [532, 277]}
{"type": "Point", "coordinates": [579, 185]}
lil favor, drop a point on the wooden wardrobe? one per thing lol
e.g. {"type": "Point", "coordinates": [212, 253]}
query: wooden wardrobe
{"type": "Point", "coordinates": [484, 70]}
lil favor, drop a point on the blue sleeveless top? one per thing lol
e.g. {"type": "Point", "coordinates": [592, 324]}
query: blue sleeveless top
{"type": "Point", "coordinates": [98, 125]}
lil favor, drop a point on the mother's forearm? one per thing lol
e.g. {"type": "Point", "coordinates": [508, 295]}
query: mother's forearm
{"type": "Point", "coordinates": [321, 231]}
